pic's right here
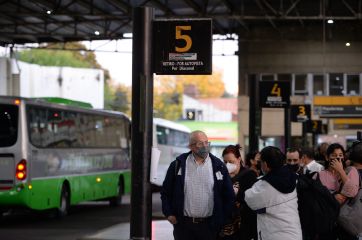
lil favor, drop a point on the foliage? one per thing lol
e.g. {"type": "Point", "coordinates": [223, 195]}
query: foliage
{"type": "Point", "coordinates": [168, 92]}
{"type": "Point", "coordinates": [118, 98]}
{"type": "Point", "coordinates": [74, 54]}
{"type": "Point", "coordinates": [109, 93]}
{"type": "Point", "coordinates": [208, 86]}
{"type": "Point", "coordinates": [59, 57]}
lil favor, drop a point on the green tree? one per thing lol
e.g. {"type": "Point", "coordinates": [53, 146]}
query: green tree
{"type": "Point", "coordinates": [75, 54]}
{"type": "Point", "coordinates": [59, 56]}
{"type": "Point", "coordinates": [122, 99]}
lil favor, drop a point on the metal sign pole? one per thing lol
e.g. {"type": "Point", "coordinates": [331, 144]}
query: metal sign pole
{"type": "Point", "coordinates": [142, 115]}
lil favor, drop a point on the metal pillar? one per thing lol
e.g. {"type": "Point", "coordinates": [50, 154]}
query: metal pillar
{"type": "Point", "coordinates": [287, 128]}
{"type": "Point", "coordinates": [142, 115]}
{"type": "Point", "coordinates": [254, 113]}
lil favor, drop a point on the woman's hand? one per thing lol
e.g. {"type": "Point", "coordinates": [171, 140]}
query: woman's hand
{"type": "Point", "coordinates": [337, 165]}
{"type": "Point", "coordinates": [340, 198]}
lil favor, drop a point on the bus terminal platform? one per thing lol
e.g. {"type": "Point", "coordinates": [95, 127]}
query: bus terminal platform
{"type": "Point", "coordinates": [161, 230]}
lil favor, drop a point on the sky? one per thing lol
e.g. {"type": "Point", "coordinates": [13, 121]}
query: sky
{"type": "Point", "coordinates": [116, 56]}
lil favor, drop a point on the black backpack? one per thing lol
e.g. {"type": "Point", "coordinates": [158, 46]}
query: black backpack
{"type": "Point", "coordinates": [318, 209]}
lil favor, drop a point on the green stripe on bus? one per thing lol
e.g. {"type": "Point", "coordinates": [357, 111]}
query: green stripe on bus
{"type": "Point", "coordinates": [45, 193]}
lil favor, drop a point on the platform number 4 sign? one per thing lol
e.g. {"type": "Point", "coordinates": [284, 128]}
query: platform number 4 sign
{"type": "Point", "coordinates": [274, 94]}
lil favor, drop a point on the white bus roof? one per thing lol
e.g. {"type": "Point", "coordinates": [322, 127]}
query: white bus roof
{"type": "Point", "coordinates": [171, 124]}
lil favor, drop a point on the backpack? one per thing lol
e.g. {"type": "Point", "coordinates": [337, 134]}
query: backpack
{"type": "Point", "coordinates": [351, 214]}
{"type": "Point", "coordinates": [318, 209]}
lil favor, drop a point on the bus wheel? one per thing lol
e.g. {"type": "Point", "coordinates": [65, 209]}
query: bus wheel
{"type": "Point", "coordinates": [117, 200]}
{"type": "Point", "coordinates": [63, 208]}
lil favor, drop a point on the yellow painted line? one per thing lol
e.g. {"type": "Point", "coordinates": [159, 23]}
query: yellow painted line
{"type": "Point", "coordinates": [337, 100]}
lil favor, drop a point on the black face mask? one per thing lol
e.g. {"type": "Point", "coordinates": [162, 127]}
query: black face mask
{"type": "Point", "coordinates": [293, 167]}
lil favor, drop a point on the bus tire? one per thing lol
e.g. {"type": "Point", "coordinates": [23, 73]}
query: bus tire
{"type": "Point", "coordinates": [64, 205]}
{"type": "Point", "coordinates": [117, 200]}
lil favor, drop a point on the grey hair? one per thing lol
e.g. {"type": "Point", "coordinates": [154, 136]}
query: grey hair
{"type": "Point", "coordinates": [193, 136]}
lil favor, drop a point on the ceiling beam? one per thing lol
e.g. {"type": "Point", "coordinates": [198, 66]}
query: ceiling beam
{"type": "Point", "coordinates": [349, 8]}
{"type": "Point", "coordinates": [265, 14]}
{"type": "Point", "coordinates": [124, 7]}
{"type": "Point", "coordinates": [293, 6]}
{"type": "Point", "coordinates": [270, 7]}
{"type": "Point", "coordinates": [164, 8]}
{"type": "Point", "coordinates": [194, 6]}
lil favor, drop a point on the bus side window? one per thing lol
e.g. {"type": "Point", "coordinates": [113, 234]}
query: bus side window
{"type": "Point", "coordinates": [161, 135]}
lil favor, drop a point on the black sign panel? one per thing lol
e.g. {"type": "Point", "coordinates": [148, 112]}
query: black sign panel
{"type": "Point", "coordinates": [190, 114]}
{"type": "Point", "coordinates": [338, 111]}
{"type": "Point", "coordinates": [274, 94]}
{"type": "Point", "coordinates": [183, 47]}
{"type": "Point", "coordinates": [314, 126]}
{"type": "Point", "coordinates": [300, 113]}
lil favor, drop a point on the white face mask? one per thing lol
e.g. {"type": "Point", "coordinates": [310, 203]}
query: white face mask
{"type": "Point", "coordinates": [231, 167]}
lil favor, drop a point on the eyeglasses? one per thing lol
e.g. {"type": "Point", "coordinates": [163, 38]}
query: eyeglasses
{"type": "Point", "coordinates": [201, 144]}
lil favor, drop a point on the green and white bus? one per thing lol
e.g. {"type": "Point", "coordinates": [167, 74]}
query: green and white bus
{"type": "Point", "coordinates": [56, 155]}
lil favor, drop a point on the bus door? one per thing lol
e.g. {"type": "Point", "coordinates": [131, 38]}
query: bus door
{"type": "Point", "coordinates": [7, 171]}
{"type": "Point", "coordinates": [8, 137]}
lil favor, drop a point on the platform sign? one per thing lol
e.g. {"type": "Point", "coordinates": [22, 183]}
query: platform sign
{"type": "Point", "coordinates": [300, 113]}
{"type": "Point", "coordinates": [274, 94]}
{"type": "Point", "coordinates": [338, 111]}
{"type": "Point", "coordinates": [182, 47]}
{"type": "Point", "coordinates": [314, 126]}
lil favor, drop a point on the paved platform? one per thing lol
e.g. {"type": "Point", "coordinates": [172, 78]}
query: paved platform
{"type": "Point", "coordinates": [161, 230]}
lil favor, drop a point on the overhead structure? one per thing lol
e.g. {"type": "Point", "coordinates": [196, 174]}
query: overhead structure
{"type": "Point", "coordinates": [35, 21]}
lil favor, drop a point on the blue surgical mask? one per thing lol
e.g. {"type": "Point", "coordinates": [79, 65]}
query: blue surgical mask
{"type": "Point", "coordinates": [202, 152]}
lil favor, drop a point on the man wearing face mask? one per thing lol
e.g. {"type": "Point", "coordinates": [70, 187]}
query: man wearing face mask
{"type": "Point", "coordinates": [197, 193]}
{"type": "Point", "coordinates": [294, 160]}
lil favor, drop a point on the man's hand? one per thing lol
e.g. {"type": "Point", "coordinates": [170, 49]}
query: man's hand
{"type": "Point", "coordinates": [172, 219]}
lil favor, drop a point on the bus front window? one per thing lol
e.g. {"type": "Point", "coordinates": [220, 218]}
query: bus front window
{"type": "Point", "coordinates": [8, 125]}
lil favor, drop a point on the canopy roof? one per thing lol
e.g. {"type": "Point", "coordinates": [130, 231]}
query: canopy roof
{"type": "Point", "coordinates": [35, 21]}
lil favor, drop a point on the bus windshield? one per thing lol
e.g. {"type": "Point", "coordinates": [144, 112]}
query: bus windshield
{"type": "Point", "coordinates": [8, 125]}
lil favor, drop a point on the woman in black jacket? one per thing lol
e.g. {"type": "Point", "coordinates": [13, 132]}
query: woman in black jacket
{"type": "Point", "coordinates": [243, 223]}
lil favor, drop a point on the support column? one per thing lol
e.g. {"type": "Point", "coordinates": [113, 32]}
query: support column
{"type": "Point", "coordinates": [142, 116]}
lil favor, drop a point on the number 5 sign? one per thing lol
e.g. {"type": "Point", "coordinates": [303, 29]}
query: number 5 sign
{"type": "Point", "coordinates": [182, 46]}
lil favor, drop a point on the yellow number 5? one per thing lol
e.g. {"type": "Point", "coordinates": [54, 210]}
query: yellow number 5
{"type": "Point", "coordinates": [184, 37]}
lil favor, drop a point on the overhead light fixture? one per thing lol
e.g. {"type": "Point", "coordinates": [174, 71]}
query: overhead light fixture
{"type": "Point", "coordinates": [330, 21]}
{"type": "Point", "coordinates": [127, 35]}
{"type": "Point", "coordinates": [49, 12]}
{"type": "Point", "coordinates": [96, 33]}
{"type": "Point", "coordinates": [348, 44]}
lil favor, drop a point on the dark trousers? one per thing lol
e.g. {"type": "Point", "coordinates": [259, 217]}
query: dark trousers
{"type": "Point", "coordinates": [187, 230]}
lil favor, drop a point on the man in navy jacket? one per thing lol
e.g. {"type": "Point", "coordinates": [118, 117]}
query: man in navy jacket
{"type": "Point", "coordinates": [197, 194]}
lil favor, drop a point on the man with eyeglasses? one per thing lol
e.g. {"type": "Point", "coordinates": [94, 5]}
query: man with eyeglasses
{"type": "Point", "coordinates": [197, 193]}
